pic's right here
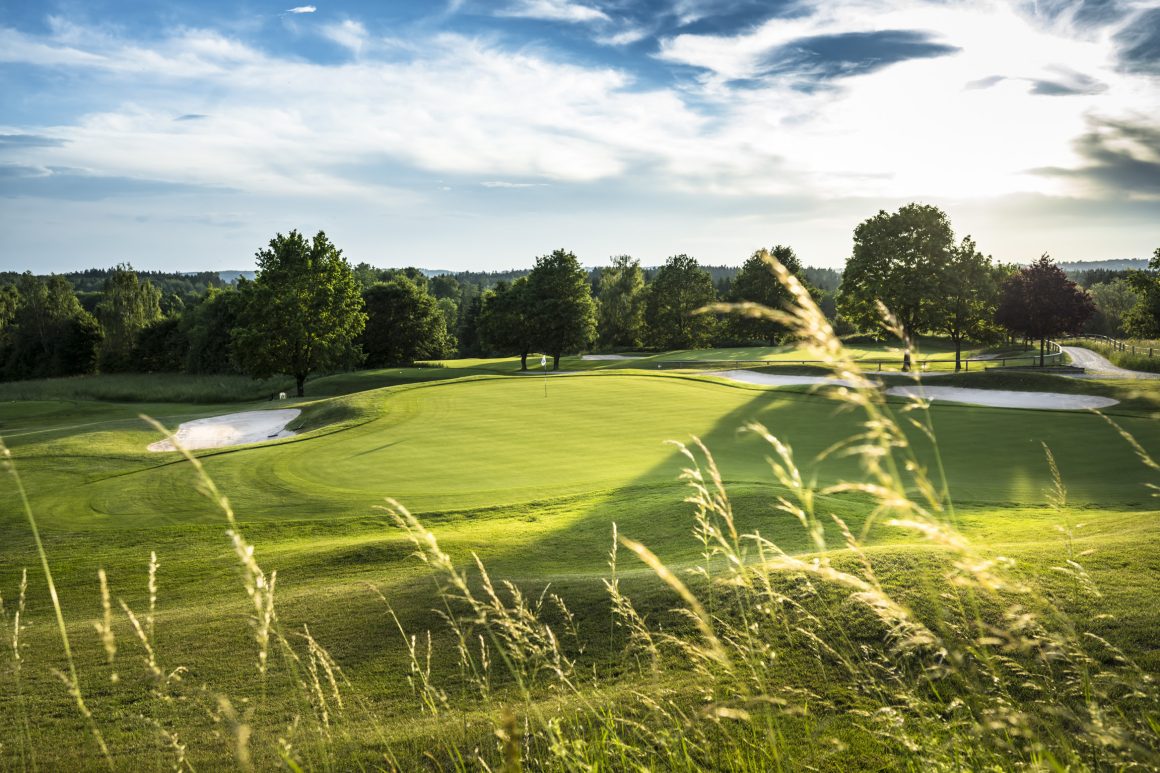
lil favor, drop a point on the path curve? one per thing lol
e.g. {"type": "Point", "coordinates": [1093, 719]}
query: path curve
{"type": "Point", "coordinates": [1098, 366]}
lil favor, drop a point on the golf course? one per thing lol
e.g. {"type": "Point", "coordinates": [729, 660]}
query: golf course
{"type": "Point", "coordinates": [529, 474]}
{"type": "Point", "coordinates": [579, 386]}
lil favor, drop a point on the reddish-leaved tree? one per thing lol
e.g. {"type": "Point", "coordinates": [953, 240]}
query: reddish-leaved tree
{"type": "Point", "coordinates": [1040, 302]}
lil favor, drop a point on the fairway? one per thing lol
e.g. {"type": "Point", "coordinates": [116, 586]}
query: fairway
{"type": "Point", "coordinates": [490, 441]}
{"type": "Point", "coordinates": [532, 484]}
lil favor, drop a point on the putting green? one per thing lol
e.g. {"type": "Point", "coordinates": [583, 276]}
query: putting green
{"type": "Point", "coordinates": [494, 442]}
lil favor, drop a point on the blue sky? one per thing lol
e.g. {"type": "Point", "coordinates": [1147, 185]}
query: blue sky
{"type": "Point", "coordinates": [467, 134]}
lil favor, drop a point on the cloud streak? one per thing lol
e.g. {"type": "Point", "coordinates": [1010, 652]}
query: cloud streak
{"type": "Point", "coordinates": [554, 10]}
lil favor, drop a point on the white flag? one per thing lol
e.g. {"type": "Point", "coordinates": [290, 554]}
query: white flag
{"type": "Point", "coordinates": [543, 360]}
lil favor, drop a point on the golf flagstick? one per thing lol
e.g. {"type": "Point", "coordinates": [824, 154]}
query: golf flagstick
{"type": "Point", "coordinates": [544, 365]}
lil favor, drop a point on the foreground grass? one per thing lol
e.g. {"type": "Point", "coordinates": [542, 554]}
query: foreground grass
{"type": "Point", "coordinates": [532, 486]}
{"type": "Point", "coordinates": [323, 576]}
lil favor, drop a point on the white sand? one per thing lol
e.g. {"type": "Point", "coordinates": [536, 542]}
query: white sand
{"type": "Point", "coordinates": [994, 398]}
{"type": "Point", "coordinates": [774, 379]}
{"type": "Point", "coordinates": [998, 398]}
{"type": "Point", "coordinates": [233, 429]}
{"type": "Point", "coordinates": [610, 357]}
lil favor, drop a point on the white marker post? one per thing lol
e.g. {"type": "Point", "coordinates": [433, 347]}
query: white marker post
{"type": "Point", "coordinates": [544, 365]}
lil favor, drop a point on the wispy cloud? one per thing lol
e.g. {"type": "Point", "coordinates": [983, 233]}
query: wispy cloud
{"type": "Point", "coordinates": [302, 9]}
{"type": "Point", "coordinates": [1140, 43]}
{"type": "Point", "coordinates": [50, 182]}
{"type": "Point", "coordinates": [349, 34]}
{"type": "Point", "coordinates": [29, 141]}
{"type": "Point", "coordinates": [554, 10]}
{"type": "Point", "coordinates": [507, 184]}
{"type": "Point", "coordinates": [1067, 83]}
{"type": "Point", "coordinates": [1122, 157]}
{"type": "Point", "coordinates": [624, 37]}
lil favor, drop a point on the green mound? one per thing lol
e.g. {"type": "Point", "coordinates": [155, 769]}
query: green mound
{"type": "Point", "coordinates": [485, 442]}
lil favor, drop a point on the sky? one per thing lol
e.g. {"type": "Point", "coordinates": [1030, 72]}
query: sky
{"type": "Point", "coordinates": [478, 134]}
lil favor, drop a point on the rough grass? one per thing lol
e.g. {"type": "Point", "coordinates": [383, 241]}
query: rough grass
{"type": "Point", "coordinates": [937, 353]}
{"type": "Point", "coordinates": [221, 389]}
{"type": "Point", "coordinates": [147, 388]}
{"type": "Point", "coordinates": [873, 636]}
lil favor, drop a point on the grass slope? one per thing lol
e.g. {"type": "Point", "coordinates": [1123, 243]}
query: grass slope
{"type": "Point", "coordinates": [486, 442]}
{"type": "Point", "coordinates": [529, 483]}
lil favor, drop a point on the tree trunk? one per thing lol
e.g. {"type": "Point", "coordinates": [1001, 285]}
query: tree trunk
{"type": "Point", "coordinates": [555, 362]}
{"type": "Point", "coordinates": [1041, 346]}
{"type": "Point", "coordinates": [958, 354]}
{"type": "Point", "coordinates": [524, 360]}
{"type": "Point", "coordinates": [300, 378]}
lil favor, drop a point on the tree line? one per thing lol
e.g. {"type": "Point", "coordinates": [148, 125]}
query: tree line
{"type": "Point", "coordinates": [309, 311]}
{"type": "Point", "coordinates": [910, 261]}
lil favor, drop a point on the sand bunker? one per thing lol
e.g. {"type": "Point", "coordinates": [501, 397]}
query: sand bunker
{"type": "Point", "coordinates": [233, 429]}
{"type": "Point", "coordinates": [993, 398]}
{"type": "Point", "coordinates": [610, 357]}
{"type": "Point", "coordinates": [996, 398]}
{"type": "Point", "coordinates": [775, 379]}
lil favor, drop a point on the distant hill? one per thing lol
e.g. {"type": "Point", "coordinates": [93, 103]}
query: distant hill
{"type": "Point", "coordinates": [1127, 264]}
{"type": "Point", "coordinates": [230, 277]}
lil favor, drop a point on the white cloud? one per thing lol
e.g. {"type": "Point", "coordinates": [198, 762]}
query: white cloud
{"type": "Point", "coordinates": [290, 126]}
{"type": "Point", "coordinates": [452, 105]}
{"type": "Point", "coordinates": [555, 10]}
{"type": "Point", "coordinates": [915, 128]}
{"type": "Point", "coordinates": [302, 9]}
{"type": "Point", "coordinates": [349, 34]}
{"type": "Point", "coordinates": [625, 37]}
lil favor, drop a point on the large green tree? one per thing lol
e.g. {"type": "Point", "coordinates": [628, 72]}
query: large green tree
{"type": "Point", "coordinates": [679, 288]}
{"type": "Point", "coordinates": [505, 320]}
{"type": "Point", "coordinates": [467, 333]}
{"type": "Point", "coordinates": [301, 314]}
{"type": "Point", "coordinates": [162, 347]}
{"type": "Point", "coordinates": [620, 289]}
{"type": "Point", "coordinates": [404, 324]}
{"type": "Point", "coordinates": [1114, 300]}
{"type": "Point", "coordinates": [900, 259]}
{"type": "Point", "coordinates": [9, 303]}
{"type": "Point", "coordinates": [562, 312]}
{"type": "Point", "coordinates": [756, 283]}
{"type": "Point", "coordinates": [964, 307]}
{"type": "Point", "coordinates": [127, 306]}
{"type": "Point", "coordinates": [444, 286]}
{"type": "Point", "coordinates": [1040, 302]}
{"type": "Point", "coordinates": [208, 326]}
{"type": "Point", "coordinates": [47, 333]}
{"type": "Point", "coordinates": [1143, 319]}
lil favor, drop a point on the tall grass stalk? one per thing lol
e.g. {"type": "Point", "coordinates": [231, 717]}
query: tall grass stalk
{"type": "Point", "coordinates": [316, 674]}
{"type": "Point", "coordinates": [72, 679]}
{"type": "Point", "coordinates": [27, 749]}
